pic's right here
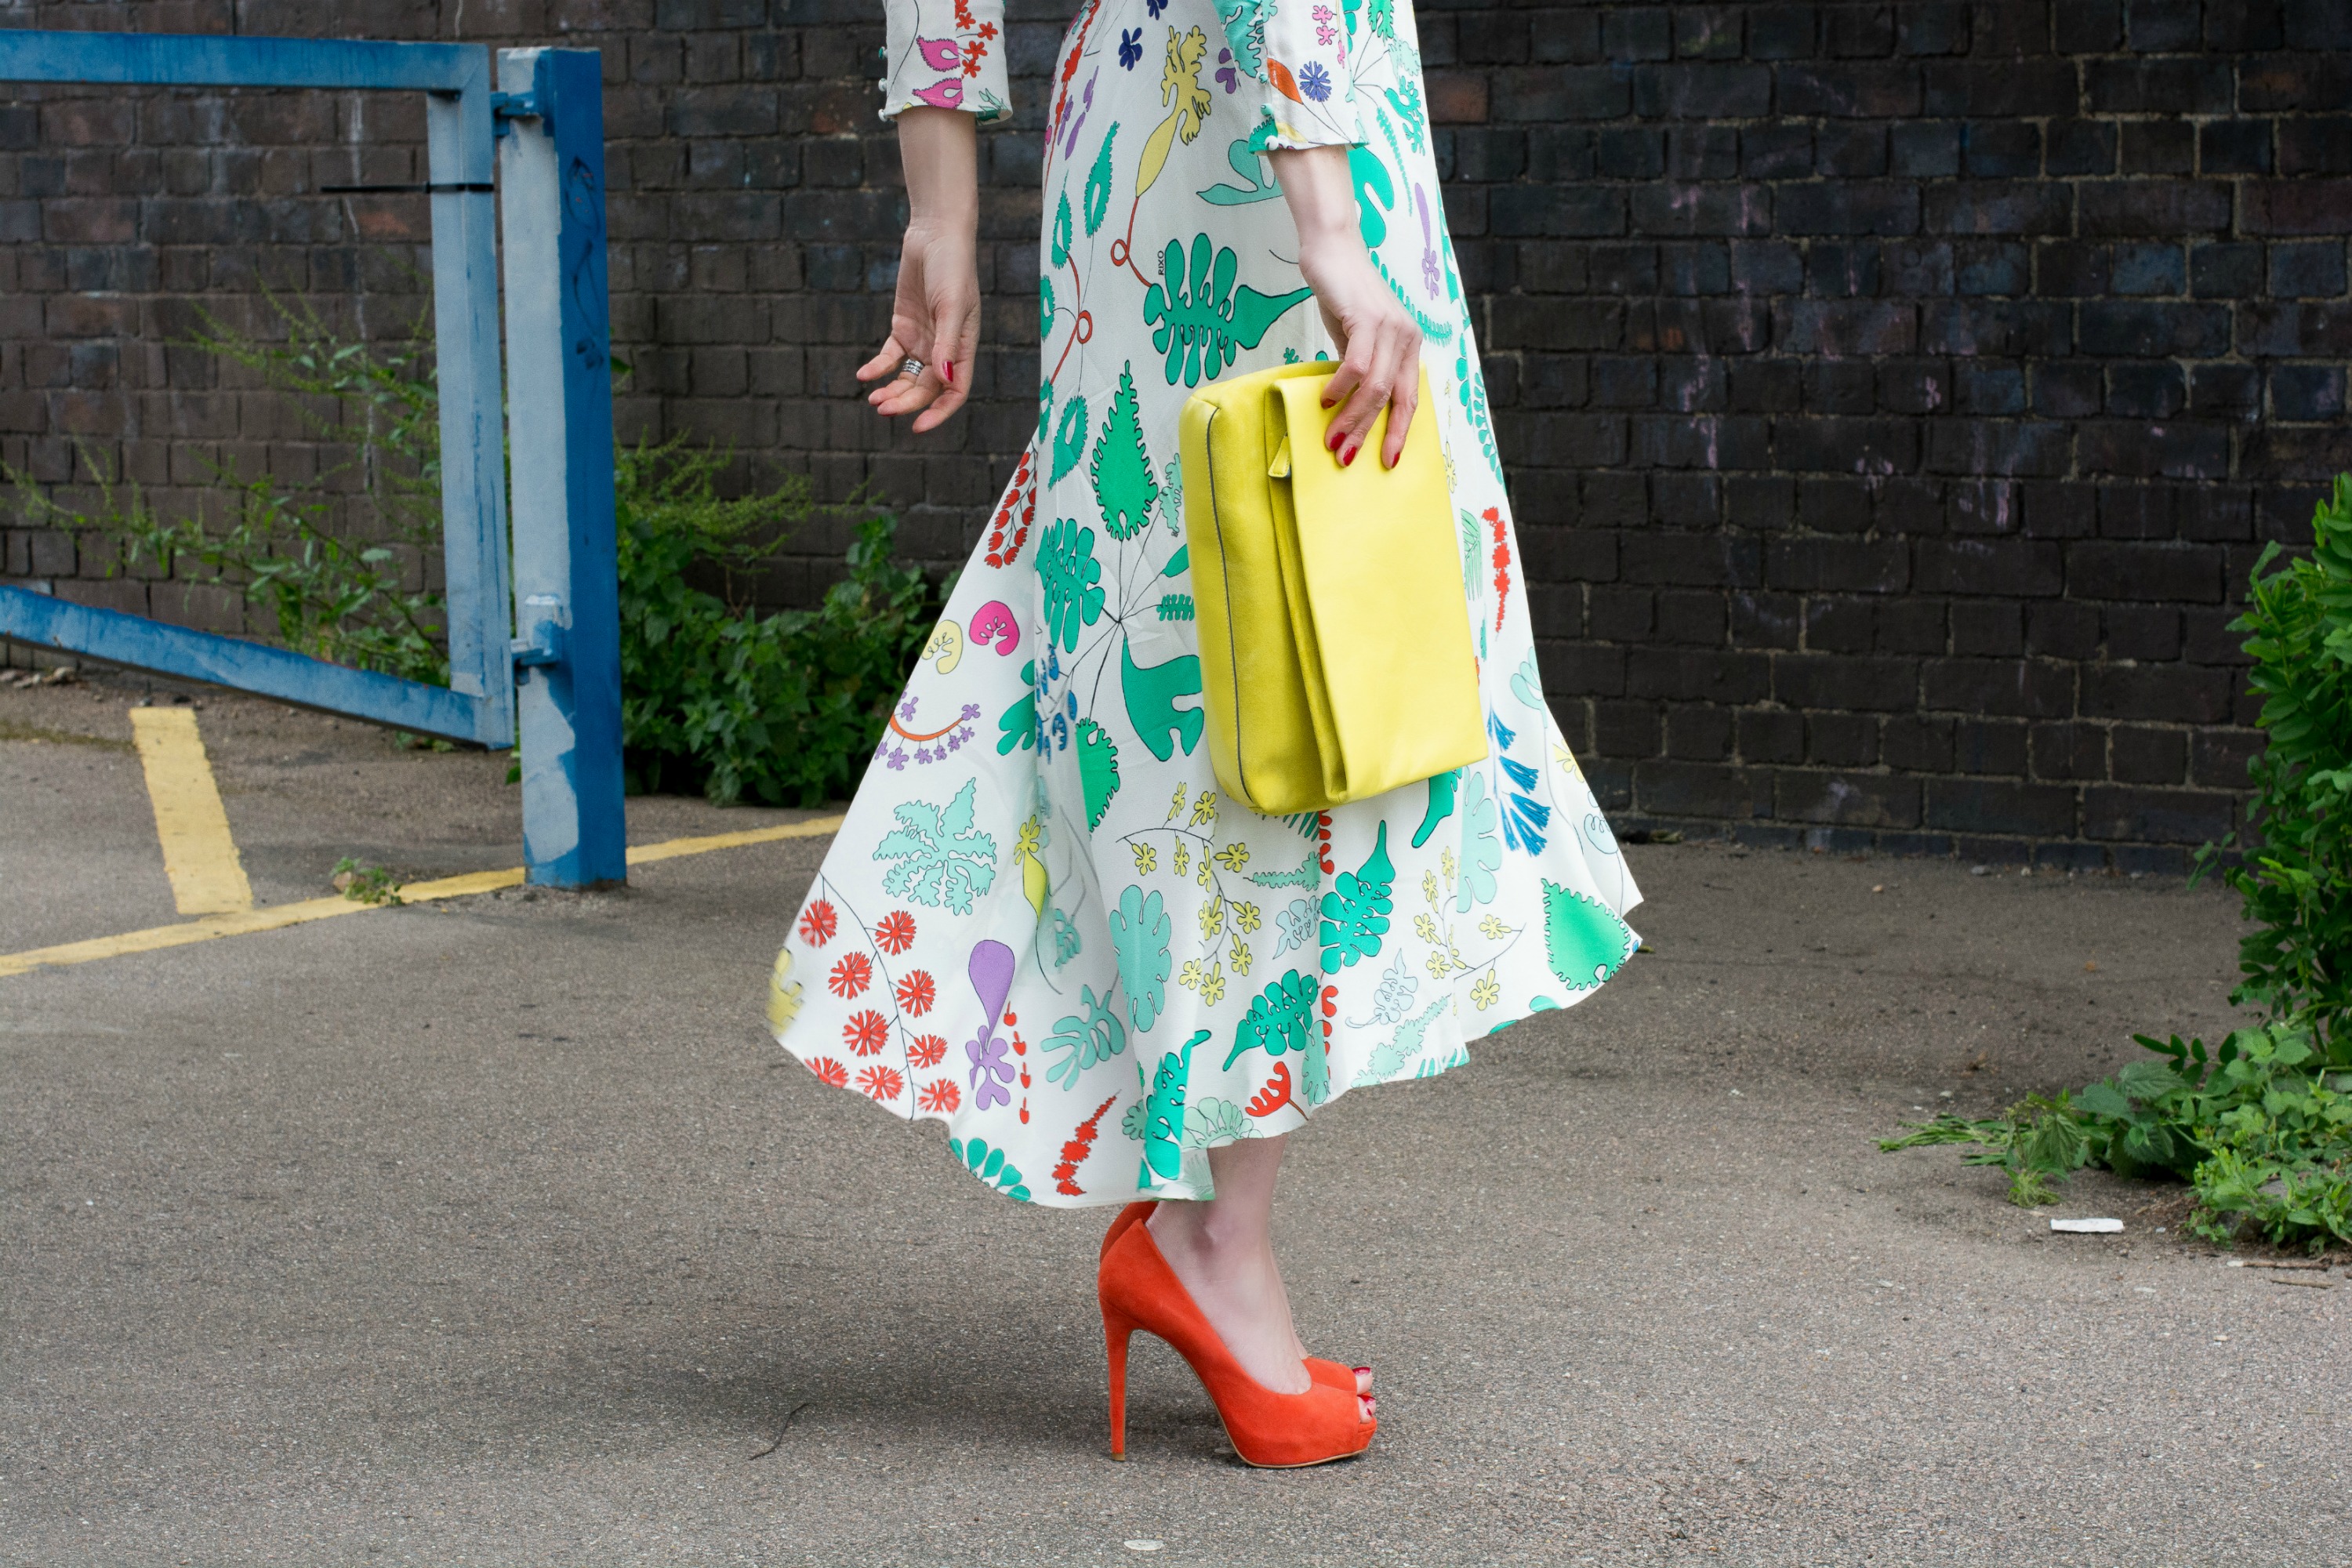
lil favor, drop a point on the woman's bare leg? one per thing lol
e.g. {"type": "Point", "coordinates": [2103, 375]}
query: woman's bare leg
{"type": "Point", "coordinates": [1223, 1250]}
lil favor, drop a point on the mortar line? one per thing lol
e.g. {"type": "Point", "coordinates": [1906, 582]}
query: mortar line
{"type": "Point", "coordinates": [199, 854]}
{"type": "Point", "coordinates": [243, 923]}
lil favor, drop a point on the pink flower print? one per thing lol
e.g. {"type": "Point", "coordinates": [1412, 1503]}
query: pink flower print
{"type": "Point", "coordinates": [940, 54]}
{"type": "Point", "coordinates": [946, 94]}
{"type": "Point", "coordinates": [1325, 33]}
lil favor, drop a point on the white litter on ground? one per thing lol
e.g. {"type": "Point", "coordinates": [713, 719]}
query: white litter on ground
{"type": "Point", "coordinates": [2088, 1226]}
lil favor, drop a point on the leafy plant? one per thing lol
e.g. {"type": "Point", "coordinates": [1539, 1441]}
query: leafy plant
{"type": "Point", "coordinates": [2261, 1126]}
{"type": "Point", "coordinates": [2297, 883]}
{"type": "Point", "coordinates": [716, 697]}
{"type": "Point", "coordinates": [365, 884]}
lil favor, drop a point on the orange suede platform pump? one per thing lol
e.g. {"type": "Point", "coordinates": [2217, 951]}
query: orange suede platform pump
{"type": "Point", "coordinates": [1270, 1430]}
{"type": "Point", "coordinates": [1317, 1368]}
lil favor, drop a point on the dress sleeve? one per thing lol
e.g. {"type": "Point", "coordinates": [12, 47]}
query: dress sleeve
{"type": "Point", "coordinates": [1297, 53]}
{"type": "Point", "coordinates": [946, 54]}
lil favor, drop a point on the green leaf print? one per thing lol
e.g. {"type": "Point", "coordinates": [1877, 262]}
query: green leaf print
{"type": "Point", "coordinates": [1385, 18]}
{"type": "Point", "coordinates": [942, 860]}
{"type": "Point", "coordinates": [1072, 579]}
{"type": "Point", "coordinates": [1175, 607]}
{"type": "Point", "coordinates": [1163, 1115]}
{"type": "Point", "coordinates": [1583, 938]}
{"type": "Point", "coordinates": [1151, 691]}
{"type": "Point", "coordinates": [1044, 307]}
{"type": "Point", "coordinates": [1201, 327]}
{"type": "Point", "coordinates": [1306, 874]}
{"type": "Point", "coordinates": [1482, 853]}
{"type": "Point", "coordinates": [1096, 1035]}
{"type": "Point", "coordinates": [1183, 556]}
{"type": "Point", "coordinates": [1131, 1121]}
{"type": "Point", "coordinates": [1069, 439]}
{"type": "Point", "coordinates": [1387, 1059]}
{"type": "Point", "coordinates": [1372, 177]}
{"type": "Point", "coordinates": [1214, 1121]}
{"type": "Point", "coordinates": [1125, 487]}
{"type": "Point", "coordinates": [1017, 725]}
{"type": "Point", "coordinates": [1258, 184]}
{"type": "Point", "coordinates": [1098, 769]}
{"type": "Point", "coordinates": [1356, 909]}
{"type": "Point", "coordinates": [1527, 682]}
{"type": "Point", "coordinates": [1045, 408]}
{"type": "Point", "coordinates": [989, 1165]}
{"type": "Point", "coordinates": [1442, 787]}
{"type": "Point", "coordinates": [1139, 929]}
{"type": "Point", "coordinates": [1281, 1018]}
{"type": "Point", "coordinates": [1099, 181]}
{"type": "Point", "coordinates": [1244, 28]}
{"type": "Point", "coordinates": [1315, 1076]}
{"type": "Point", "coordinates": [1062, 232]}
{"type": "Point", "coordinates": [1065, 938]}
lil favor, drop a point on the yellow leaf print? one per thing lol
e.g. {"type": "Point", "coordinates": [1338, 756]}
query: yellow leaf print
{"type": "Point", "coordinates": [1246, 917]}
{"type": "Point", "coordinates": [1493, 929]}
{"type": "Point", "coordinates": [1176, 804]}
{"type": "Point", "coordinates": [1426, 927]}
{"type": "Point", "coordinates": [1234, 857]}
{"type": "Point", "coordinates": [1147, 858]}
{"type": "Point", "coordinates": [1240, 953]}
{"type": "Point", "coordinates": [1180, 860]}
{"type": "Point", "coordinates": [1204, 809]}
{"type": "Point", "coordinates": [1213, 985]}
{"type": "Point", "coordinates": [1212, 918]}
{"type": "Point", "coordinates": [1486, 993]}
{"type": "Point", "coordinates": [1439, 964]}
{"type": "Point", "coordinates": [1446, 864]}
{"type": "Point", "coordinates": [1203, 877]}
{"type": "Point", "coordinates": [1187, 102]}
{"type": "Point", "coordinates": [1429, 886]}
{"type": "Point", "coordinates": [1190, 976]}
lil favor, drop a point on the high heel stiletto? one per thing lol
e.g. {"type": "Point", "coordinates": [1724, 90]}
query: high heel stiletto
{"type": "Point", "coordinates": [1269, 1430]}
{"type": "Point", "coordinates": [1330, 1372]}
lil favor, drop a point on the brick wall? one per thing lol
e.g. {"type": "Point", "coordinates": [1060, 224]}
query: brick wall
{"type": "Point", "coordinates": [1895, 397]}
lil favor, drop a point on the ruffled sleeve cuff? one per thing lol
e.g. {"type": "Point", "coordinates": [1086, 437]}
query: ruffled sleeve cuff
{"type": "Point", "coordinates": [946, 54]}
{"type": "Point", "coordinates": [1297, 55]}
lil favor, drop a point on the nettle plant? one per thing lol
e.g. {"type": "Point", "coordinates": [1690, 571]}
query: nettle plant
{"type": "Point", "coordinates": [2260, 1127]}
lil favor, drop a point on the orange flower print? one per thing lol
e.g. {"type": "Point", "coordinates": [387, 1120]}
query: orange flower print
{"type": "Point", "coordinates": [928, 1051]}
{"type": "Point", "coordinates": [940, 1097]}
{"type": "Point", "coordinates": [865, 1032]}
{"type": "Point", "coordinates": [880, 1083]}
{"type": "Point", "coordinates": [917, 992]}
{"type": "Point", "coordinates": [897, 932]}
{"type": "Point", "coordinates": [818, 923]}
{"type": "Point", "coordinates": [831, 1071]}
{"type": "Point", "coordinates": [852, 975]}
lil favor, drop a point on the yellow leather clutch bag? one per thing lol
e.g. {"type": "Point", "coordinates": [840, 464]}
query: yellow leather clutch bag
{"type": "Point", "coordinates": [1336, 661]}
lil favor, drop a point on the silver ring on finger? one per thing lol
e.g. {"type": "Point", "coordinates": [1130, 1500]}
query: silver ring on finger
{"type": "Point", "coordinates": [913, 366]}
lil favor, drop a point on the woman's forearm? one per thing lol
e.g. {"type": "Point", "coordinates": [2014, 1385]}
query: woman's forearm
{"type": "Point", "coordinates": [940, 150]}
{"type": "Point", "coordinates": [1318, 189]}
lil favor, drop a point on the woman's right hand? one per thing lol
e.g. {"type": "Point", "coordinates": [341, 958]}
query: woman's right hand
{"type": "Point", "coordinates": [1379, 341]}
{"type": "Point", "coordinates": [935, 316]}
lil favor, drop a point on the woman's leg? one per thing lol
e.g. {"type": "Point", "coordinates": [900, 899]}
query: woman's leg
{"type": "Point", "coordinates": [1223, 1250]}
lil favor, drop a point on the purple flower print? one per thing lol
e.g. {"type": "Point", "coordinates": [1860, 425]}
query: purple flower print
{"type": "Point", "coordinates": [1155, 7]}
{"type": "Point", "coordinates": [1226, 77]}
{"type": "Point", "coordinates": [1086, 106]}
{"type": "Point", "coordinates": [898, 759]}
{"type": "Point", "coordinates": [907, 710]}
{"type": "Point", "coordinates": [1130, 48]}
{"type": "Point", "coordinates": [1315, 81]}
{"type": "Point", "coordinates": [990, 1072]}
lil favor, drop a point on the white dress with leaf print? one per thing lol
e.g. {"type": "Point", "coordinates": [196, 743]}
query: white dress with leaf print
{"type": "Point", "coordinates": [1041, 924]}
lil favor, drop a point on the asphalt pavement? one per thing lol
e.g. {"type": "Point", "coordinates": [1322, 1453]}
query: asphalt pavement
{"type": "Point", "coordinates": [496, 1231]}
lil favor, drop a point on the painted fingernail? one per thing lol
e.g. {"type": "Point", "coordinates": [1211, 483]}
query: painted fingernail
{"type": "Point", "coordinates": [948, 369]}
{"type": "Point", "coordinates": [1332, 438]}
{"type": "Point", "coordinates": [1348, 456]}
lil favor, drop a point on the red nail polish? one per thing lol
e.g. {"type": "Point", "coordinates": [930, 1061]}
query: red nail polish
{"type": "Point", "coordinates": [948, 368]}
{"type": "Point", "coordinates": [1332, 439]}
{"type": "Point", "coordinates": [1348, 456]}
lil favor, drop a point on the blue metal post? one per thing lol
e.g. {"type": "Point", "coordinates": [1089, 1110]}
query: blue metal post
{"type": "Point", "coordinates": [560, 421]}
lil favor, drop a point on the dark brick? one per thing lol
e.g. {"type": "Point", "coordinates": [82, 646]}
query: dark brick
{"type": "Point", "coordinates": [1834, 681]}
{"type": "Point", "coordinates": [2155, 816]}
{"type": "Point", "coordinates": [2068, 751]}
{"type": "Point", "coordinates": [2235, 146]}
{"type": "Point", "coordinates": [2163, 207]}
{"type": "Point", "coordinates": [2003, 568]}
{"type": "Point", "coordinates": [2231, 270]}
{"type": "Point", "coordinates": [2080, 147]}
{"type": "Point", "coordinates": [2306, 271]}
{"type": "Point", "coordinates": [2307, 392]}
{"type": "Point", "coordinates": [2184, 330]}
{"type": "Point", "coordinates": [1837, 208]}
{"type": "Point", "coordinates": [2000, 208]}
{"type": "Point", "coordinates": [1694, 789]}
{"type": "Point", "coordinates": [2178, 694]}
{"type": "Point", "coordinates": [1990, 805]}
{"type": "Point", "coordinates": [1852, 91]}
{"type": "Point", "coordinates": [2158, 86]}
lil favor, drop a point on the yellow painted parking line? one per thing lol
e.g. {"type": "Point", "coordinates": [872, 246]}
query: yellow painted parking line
{"type": "Point", "coordinates": [279, 916]}
{"type": "Point", "coordinates": [199, 855]}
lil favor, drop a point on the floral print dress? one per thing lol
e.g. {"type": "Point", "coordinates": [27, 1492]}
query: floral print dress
{"type": "Point", "coordinates": [1041, 923]}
